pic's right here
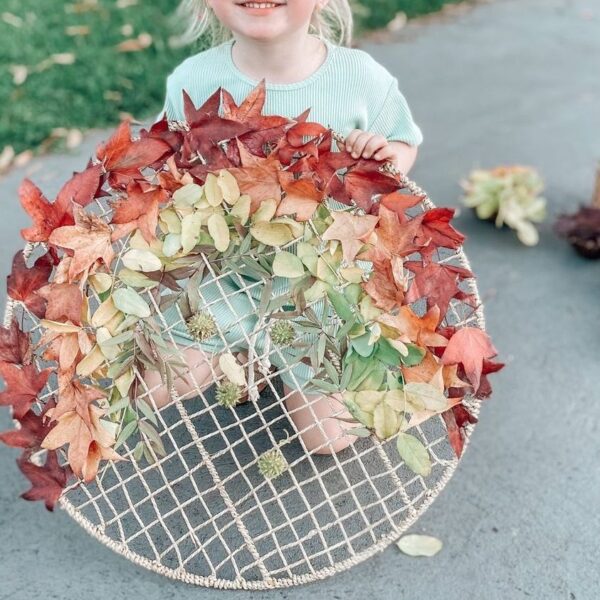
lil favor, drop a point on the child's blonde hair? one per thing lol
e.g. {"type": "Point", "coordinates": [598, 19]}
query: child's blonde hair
{"type": "Point", "coordinates": [333, 22]}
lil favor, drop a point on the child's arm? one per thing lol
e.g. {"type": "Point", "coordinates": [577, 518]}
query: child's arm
{"type": "Point", "coordinates": [404, 155]}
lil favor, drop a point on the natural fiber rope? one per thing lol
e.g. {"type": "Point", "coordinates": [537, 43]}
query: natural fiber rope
{"type": "Point", "coordinates": [267, 580]}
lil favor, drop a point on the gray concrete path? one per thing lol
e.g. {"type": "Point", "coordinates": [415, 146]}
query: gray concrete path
{"type": "Point", "coordinates": [515, 81]}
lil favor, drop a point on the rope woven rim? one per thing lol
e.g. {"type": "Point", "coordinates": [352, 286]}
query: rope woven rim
{"type": "Point", "coordinates": [123, 547]}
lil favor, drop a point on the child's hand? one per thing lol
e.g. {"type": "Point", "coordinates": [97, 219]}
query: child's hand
{"type": "Point", "coordinates": [368, 145]}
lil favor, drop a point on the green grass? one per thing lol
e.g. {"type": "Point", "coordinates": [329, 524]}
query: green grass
{"type": "Point", "coordinates": [74, 96]}
{"type": "Point", "coordinates": [373, 14]}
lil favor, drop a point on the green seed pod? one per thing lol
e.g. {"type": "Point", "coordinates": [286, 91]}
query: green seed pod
{"type": "Point", "coordinates": [283, 333]}
{"type": "Point", "coordinates": [272, 463]}
{"type": "Point", "coordinates": [201, 326]}
{"type": "Point", "coordinates": [228, 394]}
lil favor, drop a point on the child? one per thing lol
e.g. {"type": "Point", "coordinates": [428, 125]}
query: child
{"type": "Point", "coordinates": [347, 90]}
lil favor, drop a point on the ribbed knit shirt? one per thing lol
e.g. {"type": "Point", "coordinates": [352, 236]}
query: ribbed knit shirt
{"type": "Point", "coordinates": [349, 90]}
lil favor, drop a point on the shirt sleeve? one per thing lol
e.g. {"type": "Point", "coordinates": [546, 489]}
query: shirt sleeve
{"type": "Point", "coordinates": [394, 120]}
{"type": "Point", "coordinates": [167, 106]}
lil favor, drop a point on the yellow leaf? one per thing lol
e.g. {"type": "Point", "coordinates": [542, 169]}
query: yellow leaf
{"type": "Point", "coordinates": [219, 231]}
{"type": "Point", "coordinates": [271, 234]}
{"type": "Point", "coordinates": [212, 191]}
{"type": "Point", "coordinates": [104, 313]}
{"type": "Point", "coordinates": [266, 211]}
{"type": "Point", "coordinates": [232, 369]}
{"type": "Point", "coordinates": [241, 209]}
{"type": "Point", "coordinates": [386, 421]}
{"type": "Point", "coordinates": [229, 186]}
{"type": "Point", "coordinates": [92, 362]}
{"type": "Point", "coordinates": [190, 231]}
{"type": "Point", "coordinates": [187, 195]}
{"type": "Point", "coordinates": [59, 327]}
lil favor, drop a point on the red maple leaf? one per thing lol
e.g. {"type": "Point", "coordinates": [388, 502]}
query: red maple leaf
{"type": "Point", "coordinates": [364, 180]}
{"type": "Point", "coordinates": [437, 232]}
{"type": "Point", "coordinates": [399, 203]}
{"type": "Point", "coordinates": [33, 429]}
{"type": "Point", "coordinates": [469, 346]}
{"type": "Point", "coordinates": [138, 210]}
{"type": "Point", "coordinates": [23, 283]}
{"type": "Point", "coordinates": [90, 241]}
{"type": "Point", "coordinates": [14, 345]}
{"type": "Point", "coordinates": [47, 481]}
{"type": "Point", "coordinates": [23, 384]}
{"type": "Point", "coordinates": [397, 237]}
{"type": "Point", "coordinates": [65, 302]}
{"type": "Point", "coordinates": [301, 196]}
{"type": "Point", "coordinates": [123, 157]}
{"type": "Point", "coordinates": [438, 283]}
{"type": "Point", "coordinates": [82, 188]}
{"type": "Point", "coordinates": [386, 282]}
{"type": "Point", "coordinates": [456, 418]}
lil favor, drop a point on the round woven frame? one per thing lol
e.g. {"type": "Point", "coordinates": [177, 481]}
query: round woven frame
{"type": "Point", "coordinates": [197, 515]}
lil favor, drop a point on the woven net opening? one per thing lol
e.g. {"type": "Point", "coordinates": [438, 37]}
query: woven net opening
{"type": "Point", "coordinates": [204, 512]}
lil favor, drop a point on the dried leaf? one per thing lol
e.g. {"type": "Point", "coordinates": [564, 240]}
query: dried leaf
{"type": "Point", "coordinates": [419, 545]}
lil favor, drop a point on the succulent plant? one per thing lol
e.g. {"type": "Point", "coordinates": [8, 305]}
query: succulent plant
{"type": "Point", "coordinates": [582, 229]}
{"type": "Point", "coordinates": [508, 195]}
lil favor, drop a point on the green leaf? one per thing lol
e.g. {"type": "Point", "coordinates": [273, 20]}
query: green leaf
{"type": "Point", "coordinates": [352, 292]}
{"type": "Point", "coordinates": [190, 231]}
{"type": "Point", "coordinates": [287, 264]}
{"type": "Point", "coordinates": [362, 346]}
{"type": "Point", "coordinates": [272, 234]}
{"type": "Point", "coordinates": [362, 432]}
{"type": "Point", "coordinates": [331, 371]}
{"type": "Point", "coordinates": [346, 376]}
{"type": "Point", "coordinates": [152, 434]}
{"type": "Point", "coordinates": [386, 421]}
{"type": "Point", "coordinates": [137, 259]}
{"type": "Point", "coordinates": [321, 348]}
{"type": "Point", "coordinates": [126, 433]}
{"type": "Point", "coordinates": [135, 279]}
{"type": "Point", "coordinates": [126, 336]}
{"type": "Point", "coordinates": [130, 302]}
{"type": "Point", "coordinates": [340, 304]}
{"type": "Point", "coordinates": [171, 244]}
{"type": "Point", "coordinates": [425, 395]}
{"type": "Point", "coordinates": [360, 371]}
{"type": "Point", "coordinates": [118, 406]}
{"type": "Point", "coordinates": [414, 357]}
{"type": "Point", "coordinates": [326, 386]}
{"type": "Point", "coordinates": [387, 354]}
{"type": "Point", "coordinates": [147, 410]}
{"type": "Point", "coordinates": [138, 451]}
{"type": "Point", "coordinates": [414, 454]}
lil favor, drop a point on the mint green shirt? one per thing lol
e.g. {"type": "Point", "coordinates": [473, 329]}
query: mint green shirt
{"type": "Point", "coordinates": [350, 90]}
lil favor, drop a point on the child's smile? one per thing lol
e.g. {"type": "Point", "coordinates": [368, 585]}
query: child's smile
{"type": "Point", "coordinates": [260, 8]}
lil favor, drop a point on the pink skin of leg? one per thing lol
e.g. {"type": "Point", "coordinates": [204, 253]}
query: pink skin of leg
{"type": "Point", "coordinates": [328, 436]}
{"type": "Point", "coordinates": [325, 437]}
{"type": "Point", "coordinates": [200, 370]}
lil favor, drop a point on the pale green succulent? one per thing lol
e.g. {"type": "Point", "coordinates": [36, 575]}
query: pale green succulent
{"type": "Point", "coordinates": [509, 195]}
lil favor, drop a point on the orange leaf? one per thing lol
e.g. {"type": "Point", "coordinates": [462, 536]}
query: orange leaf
{"type": "Point", "coordinates": [351, 230]}
{"type": "Point", "coordinates": [90, 240]}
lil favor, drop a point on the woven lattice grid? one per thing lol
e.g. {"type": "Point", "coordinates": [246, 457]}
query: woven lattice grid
{"type": "Point", "coordinates": [204, 514]}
